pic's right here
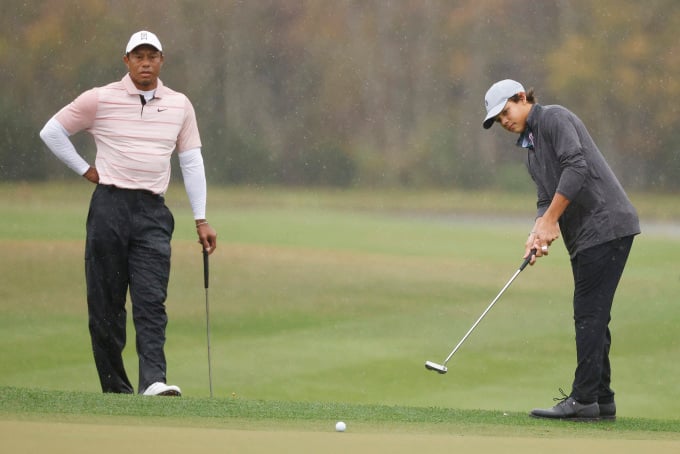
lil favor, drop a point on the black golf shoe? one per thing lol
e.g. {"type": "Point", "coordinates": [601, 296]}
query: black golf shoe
{"type": "Point", "coordinates": [569, 409]}
{"type": "Point", "coordinates": [608, 411]}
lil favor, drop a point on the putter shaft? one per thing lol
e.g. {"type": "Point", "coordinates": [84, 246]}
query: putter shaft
{"type": "Point", "coordinates": [206, 275]}
{"type": "Point", "coordinates": [481, 317]}
{"type": "Point", "coordinates": [441, 368]}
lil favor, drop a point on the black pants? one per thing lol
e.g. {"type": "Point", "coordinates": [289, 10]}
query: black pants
{"type": "Point", "coordinates": [597, 272]}
{"type": "Point", "coordinates": [127, 248]}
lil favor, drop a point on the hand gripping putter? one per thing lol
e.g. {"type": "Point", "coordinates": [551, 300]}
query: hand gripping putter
{"type": "Point", "coordinates": [441, 368]}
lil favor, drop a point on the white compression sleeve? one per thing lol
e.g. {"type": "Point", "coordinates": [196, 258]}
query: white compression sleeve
{"type": "Point", "coordinates": [57, 140]}
{"type": "Point", "coordinates": [193, 173]}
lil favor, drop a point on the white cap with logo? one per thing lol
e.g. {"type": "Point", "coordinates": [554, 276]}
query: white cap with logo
{"type": "Point", "coordinates": [497, 96]}
{"type": "Point", "coordinates": [143, 37]}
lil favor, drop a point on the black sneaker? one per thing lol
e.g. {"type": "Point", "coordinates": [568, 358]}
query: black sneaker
{"type": "Point", "coordinates": [608, 411]}
{"type": "Point", "coordinates": [569, 409]}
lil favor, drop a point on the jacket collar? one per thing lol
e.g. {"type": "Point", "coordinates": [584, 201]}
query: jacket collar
{"type": "Point", "coordinates": [534, 113]}
{"type": "Point", "coordinates": [526, 138]}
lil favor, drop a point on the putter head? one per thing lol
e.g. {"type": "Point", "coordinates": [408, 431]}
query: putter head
{"type": "Point", "coordinates": [439, 368]}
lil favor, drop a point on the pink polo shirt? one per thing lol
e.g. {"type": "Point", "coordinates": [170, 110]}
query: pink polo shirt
{"type": "Point", "coordinates": [134, 141]}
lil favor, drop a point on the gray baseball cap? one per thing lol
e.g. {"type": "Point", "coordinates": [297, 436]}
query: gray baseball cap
{"type": "Point", "coordinates": [497, 96]}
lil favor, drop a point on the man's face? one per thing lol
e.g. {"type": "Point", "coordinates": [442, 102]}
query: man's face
{"type": "Point", "coordinates": [144, 64]}
{"type": "Point", "coordinates": [514, 115]}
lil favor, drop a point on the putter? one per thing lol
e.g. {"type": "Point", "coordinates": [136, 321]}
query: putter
{"type": "Point", "coordinates": [206, 274]}
{"type": "Point", "coordinates": [441, 368]}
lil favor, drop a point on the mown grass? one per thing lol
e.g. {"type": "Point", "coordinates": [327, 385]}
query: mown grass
{"type": "Point", "coordinates": [236, 412]}
{"type": "Point", "coordinates": [327, 299]}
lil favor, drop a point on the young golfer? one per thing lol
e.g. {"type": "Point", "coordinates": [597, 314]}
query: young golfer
{"type": "Point", "coordinates": [579, 196]}
{"type": "Point", "coordinates": [136, 123]}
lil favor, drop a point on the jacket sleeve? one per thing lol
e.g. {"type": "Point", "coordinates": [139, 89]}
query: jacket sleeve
{"type": "Point", "coordinates": [569, 152]}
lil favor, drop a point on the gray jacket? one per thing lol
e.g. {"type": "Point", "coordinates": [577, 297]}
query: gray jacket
{"type": "Point", "coordinates": [565, 159]}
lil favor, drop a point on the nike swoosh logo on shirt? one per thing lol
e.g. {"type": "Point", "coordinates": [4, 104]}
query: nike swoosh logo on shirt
{"type": "Point", "coordinates": [161, 110]}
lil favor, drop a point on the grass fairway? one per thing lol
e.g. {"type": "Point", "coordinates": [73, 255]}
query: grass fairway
{"type": "Point", "coordinates": [59, 421]}
{"type": "Point", "coordinates": [337, 299]}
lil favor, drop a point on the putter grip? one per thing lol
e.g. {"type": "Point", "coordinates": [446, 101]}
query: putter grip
{"type": "Point", "coordinates": [206, 268]}
{"type": "Point", "coordinates": [527, 260]}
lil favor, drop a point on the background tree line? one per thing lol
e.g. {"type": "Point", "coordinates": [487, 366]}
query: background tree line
{"type": "Point", "coordinates": [358, 92]}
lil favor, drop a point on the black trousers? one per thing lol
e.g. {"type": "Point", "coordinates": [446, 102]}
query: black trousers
{"type": "Point", "coordinates": [597, 272]}
{"type": "Point", "coordinates": [127, 248]}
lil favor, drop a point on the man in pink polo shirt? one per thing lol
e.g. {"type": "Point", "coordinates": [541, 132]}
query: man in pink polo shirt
{"type": "Point", "coordinates": [136, 123]}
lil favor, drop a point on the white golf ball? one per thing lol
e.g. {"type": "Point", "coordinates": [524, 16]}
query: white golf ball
{"type": "Point", "coordinates": [340, 426]}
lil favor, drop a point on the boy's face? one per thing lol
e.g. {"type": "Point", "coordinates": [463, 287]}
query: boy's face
{"type": "Point", "coordinates": [513, 117]}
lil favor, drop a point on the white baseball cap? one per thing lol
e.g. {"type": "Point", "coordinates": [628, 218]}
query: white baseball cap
{"type": "Point", "coordinates": [497, 96]}
{"type": "Point", "coordinates": [143, 37]}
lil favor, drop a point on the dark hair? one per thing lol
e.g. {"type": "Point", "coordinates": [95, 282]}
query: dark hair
{"type": "Point", "coordinates": [531, 98]}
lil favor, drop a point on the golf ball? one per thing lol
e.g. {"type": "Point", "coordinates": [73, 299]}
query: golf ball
{"type": "Point", "coordinates": [340, 426]}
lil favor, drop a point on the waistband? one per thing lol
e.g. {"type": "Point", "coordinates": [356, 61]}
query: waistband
{"type": "Point", "coordinates": [112, 188]}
